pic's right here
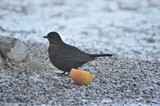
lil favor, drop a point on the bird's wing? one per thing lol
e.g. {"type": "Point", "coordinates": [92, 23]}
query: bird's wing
{"type": "Point", "coordinates": [70, 53]}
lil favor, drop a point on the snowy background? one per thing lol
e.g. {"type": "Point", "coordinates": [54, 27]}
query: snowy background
{"type": "Point", "coordinates": [128, 28]}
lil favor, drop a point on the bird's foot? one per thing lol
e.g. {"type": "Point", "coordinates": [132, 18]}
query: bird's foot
{"type": "Point", "coordinates": [63, 74]}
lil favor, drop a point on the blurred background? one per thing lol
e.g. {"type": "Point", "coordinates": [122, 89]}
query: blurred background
{"type": "Point", "coordinates": [128, 28]}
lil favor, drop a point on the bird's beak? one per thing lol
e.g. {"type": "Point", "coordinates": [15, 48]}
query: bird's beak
{"type": "Point", "coordinates": [44, 36]}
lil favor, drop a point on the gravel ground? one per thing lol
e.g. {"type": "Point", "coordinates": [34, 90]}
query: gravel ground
{"type": "Point", "coordinates": [128, 28]}
{"type": "Point", "coordinates": [118, 80]}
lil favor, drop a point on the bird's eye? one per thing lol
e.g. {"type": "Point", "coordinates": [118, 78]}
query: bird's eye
{"type": "Point", "coordinates": [50, 36]}
{"type": "Point", "coordinates": [53, 37]}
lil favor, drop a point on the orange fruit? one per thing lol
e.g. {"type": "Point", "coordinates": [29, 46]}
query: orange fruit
{"type": "Point", "coordinates": [81, 77]}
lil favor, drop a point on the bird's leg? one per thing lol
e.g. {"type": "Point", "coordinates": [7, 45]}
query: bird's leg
{"type": "Point", "coordinates": [63, 74]}
{"type": "Point", "coordinates": [66, 73]}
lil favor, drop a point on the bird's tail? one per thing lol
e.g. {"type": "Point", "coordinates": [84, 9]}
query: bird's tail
{"type": "Point", "coordinates": [100, 55]}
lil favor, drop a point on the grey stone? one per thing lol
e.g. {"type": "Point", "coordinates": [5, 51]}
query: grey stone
{"type": "Point", "coordinates": [6, 43]}
{"type": "Point", "coordinates": [13, 49]}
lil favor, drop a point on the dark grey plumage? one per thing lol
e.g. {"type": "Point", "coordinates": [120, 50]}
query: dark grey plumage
{"type": "Point", "coordinates": [64, 56]}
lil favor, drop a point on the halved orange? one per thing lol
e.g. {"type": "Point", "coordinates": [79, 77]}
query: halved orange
{"type": "Point", "coordinates": [81, 77]}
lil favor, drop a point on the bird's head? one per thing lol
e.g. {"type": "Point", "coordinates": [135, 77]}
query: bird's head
{"type": "Point", "coordinates": [53, 37]}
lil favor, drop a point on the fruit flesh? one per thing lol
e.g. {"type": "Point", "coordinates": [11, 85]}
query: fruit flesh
{"type": "Point", "coordinates": [81, 77]}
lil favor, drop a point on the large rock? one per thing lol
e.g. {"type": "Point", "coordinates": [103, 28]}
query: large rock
{"type": "Point", "coordinates": [13, 49]}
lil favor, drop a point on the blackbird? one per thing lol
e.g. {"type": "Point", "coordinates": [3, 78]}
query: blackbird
{"type": "Point", "coordinates": [64, 56]}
